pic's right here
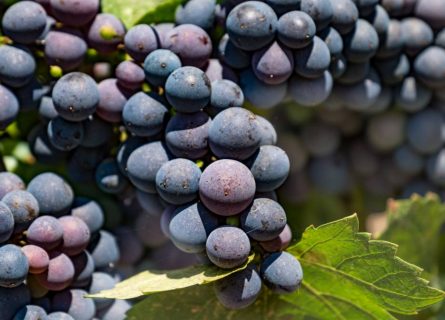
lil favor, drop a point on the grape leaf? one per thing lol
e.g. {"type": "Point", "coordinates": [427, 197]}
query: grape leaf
{"type": "Point", "coordinates": [133, 12]}
{"type": "Point", "coordinates": [148, 282]}
{"type": "Point", "coordinates": [349, 276]}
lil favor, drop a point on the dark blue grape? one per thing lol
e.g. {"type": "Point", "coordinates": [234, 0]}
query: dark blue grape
{"type": "Point", "coordinates": [38, 259]}
{"type": "Point", "coordinates": [130, 75]}
{"type": "Point", "coordinates": [273, 276]}
{"type": "Point", "coordinates": [386, 131]}
{"type": "Point", "coordinates": [338, 66]}
{"type": "Point", "coordinates": [101, 281]}
{"type": "Point", "coordinates": [264, 220]}
{"type": "Point", "coordinates": [411, 95]}
{"type": "Point", "coordinates": [75, 96]}
{"type": "Point", "coordinates": [393, 70]}
{"type": "Point", "coordinates": [296, 29]}
{"type": "Point", "coordinates": [188, 89]}
{"type": "Point", "coordinates": [251, 25]}
{"type": "Point", "coordinates": [87, 159]}
{"type": "Point", "coordinates": [23, 205]}
{"type": "Point", "coordinates": [225, 94]}
{"type": "Point", "coordinates": [74, 303]}
{"type": "Point", "coordinates": [391, 42]}
{"type": "Point", "coordinates": [30, 312]}
{"type": "Point", "coordinates": [13, 266]}
{"type": "Point", "coordinates": [330, 174]}
{"type": "Point", "coordinates": [282, 6]}
{"type": "Point", "coordinates": [197, 12]}
{"type": "Point", "coordinates": [268, 133]}
{"type": "Point", "coordinates": [139, 41]}
{"type": "Point", "coordinates": [165, 220]}
{"type": "Point", "coordinates": [117, 311]}
{"type": "Point", "coordinates": [125, 150]}
{"type": "Point", "coordinates": [424, 131]}
{"type": "Point", "coordinates": [333, 40]}
{"type": "Point", "coordinates": [53, 194]}
{"type": "Point", "coordinates": [104, 250]}
{"type": "Point", "coordinates": [42, 148]}
{"type": "Point", "coordinates": [10, 182]}
{"type": "Point", "coordinates": [65, 48]}
{"type": "Point", "coordinates": [65, 135]}
{"type": "Point", "coordinates": [74, 13]}
{"type": "Point", "coordinates": [240, 289]}
{"type": "Point", "coordinates": [159, 64]}
{"type": "Point", "coordinates": [17, 66]}
{"type": "Point", "coordinates": [24, 22]}
{"type": "Point", "coordinates": [190, 225]}
{"type": "Point", "coordinates": [162, 29]}
{"type": "Point", "coordinates": [310, 92]}
{"type": "Point", "coordinates": [186, 135]}
{"type": "Point", "coordinates": [96, 133]}
{"type": "Point", "coordinates": [408, 160]}
{"type": "Point", "coordinates": [240, 139]}
{"type": "Point", "coordinates": [361, 43]}
{"type": "Point", "coordinates": [47, 110]}
{"type": "Point", "coordinates": [278, 243]}
{"type": "Point", "coordinates": [105, 33]}
{"type": "Point", "coordinates": [13, 299]}
{"type": "Point", "coordinates": [270, 167]}
{"type": "Point", "coordinates": [366, 7]}
{"type": "Point", "coordinates": [144, 116]}
{"type": "Point", "coordinates": [83, 269]}
{"type": "Point", "coordinates": [30, 95]}
{"type": "Point", "coordinates": [151, 203]}
{"type": "Point", "coordinates": [9, 107]}
{"type": "Point", "coordinates": [216, 70]}
{"type": "Point", "coordinates": [429, 67]}
{"type": "Point", "coordinates": [440, 39]}
{"type": "Point", "coordinates": [228, 247]}
{"type": "Point", "coordinates": [273, 64]}
{"type": "Point", "coordinates": [76, 235]}
{"type": "Point", "coordinates": [431, 11]}
{"type": "Point", "coordinates": [345, 15]}
{"type": "Point", "coordinates": [144, 163]}
{"type": "Point", "coordinates": [90, 212]}
{"type": "Point", "coordinates": [379, 19]}
{"type": "Point", "coordinates": [435, 169]}
{"type": "Point", "coordinates": [321, 11]}
{"type": "Point", "coordinates": [232, 55]}
{"type": "Point", "coordinates": [260, 94]}
{"type": "Point", "coordinates": [227, 187]}
{"type": "Point", "coordinates": [6, 222]}
{"type": "Point", "coordinates": [191, 43]}
{"type": "Point", "coordinates": [313, 60]}
{"type": "Point", "coordinates": [59, 315]}
{"type": "Point", "coordinates": [109, 178]}
{"type": "Point", "coordinates": [112, 100]}
{"type": "Point", "coordinates": [354, 72]}
{"type": "Point", "coordinates": [417, 35]}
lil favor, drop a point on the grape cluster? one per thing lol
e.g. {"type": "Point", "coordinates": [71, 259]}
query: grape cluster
{"type": "Point", "coordinates": [53, 252]}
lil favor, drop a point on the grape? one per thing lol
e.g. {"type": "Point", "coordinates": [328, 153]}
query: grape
{"type": "Point", "coordinates": [429, 67]}
{"type": "Point", "coordinates": [190, 225]}
{"type": "Point", "coordinates": [125, 150]}
{"type": "Point", "coordinates": [393, 70]}
{"type": "Point", "coordinates": [321, 11]}
{"type": "Point", "coordinates": [109, 178]}
{"type": "Point", "coordinates": [144, 163]}
{"type": "Point", "coordinates": [251, 25]}
{"type": "Point", "coordinates": [24, 22]}
{"type": "Point", "coordinates": [117, 311]}
{"type": "Point", "coordinates": [417, 35]}
{"type": "Point", "coordinates": [278, 243]}
{"type": "Point", "coordinates": [188, 89]}
{"type": "Point", "coordinates": [166, 218]}
{"type": "Point", "coordinates": [345, 15]}
{"type": "Point", "coordinates": [46, 109]}
{"type": "Point", "coordinates": [268, 133]}
{"type": "Point", "coordinates": [228, 247]}
{"type": "Point", "coordinates": [232, 55]}
{"type": "Point", "coordinates": [10, 182]}
{"type": "Point", "coordinates": [161, 30]}
{"type": "Point", "coordinates": [104, 250]}
{"type": "Point", "coordinates": [96, 133]}
{"type": "Point", "coordinates": [177, 181]}
{"type": "Point", "coordinates": [74, 13]}
{"type": "Point", "coordinates": [23, 205]}
{"type": "Point", "coordinates": [379, 19]}
{"type": "Point", "coordinates": [30, 94]}
{"type": "Point", "coordinates": [83, 269]}
{"type": "Point", "coordinates": [13, 299]}
{"type": "Point", "coordinates": [227, 187]}
{"type": "Point", "coordinates": [101, 70]}
{"type": "Point", "coordinates": [191, 43]}
{"type": "Point", "coordinates": [76, 235]}
{"type": "Point", "coordinates": [9, 107]}
{"type": "Point", "coordinates": [225, 94]}
{"type": "Point", "coordinates": [112, 100]}
{"type": "Point", "coordinates": [440, 39]}
{"type": "Point", "coordinates": [330, 174]}
{"type": "Point", "coordinates": [159, 64]}
{"type": "Point", "coordinates": [75, 96]}
{"type": "Point", "coordinates": [6, 222]}
{"type": "Point", "coordinates": [17, 66]}
{"type": "Point", "coordinates": [38, 259]}
{"type": "Point", "coordinates": [65, 135]}
{"type": "Point", "coordinates": [361, 43]}
{"type": "Point", "coordinates": [310, 92]}
{"type": "Point", "coordinates": [130, 75]}
{"type": "Point", "coordinates": [65, 48]}
{"type": "Point", "coordinates": [215, 71]}
{"type": "Point", "coordinates": [408, 160]}
{"type": "Point", "coordinates": [320, 139]}
{"type": "Point", "coordinates": [198, 12]}
{"type": "Point", "coordinates": [150, 202]}
{"type": "Point", "coordinates": [139, 41]}
{"type": "Point", "coordinates": [73, 302]}
{"type": "Point", "coordinates": [392, 42]}
{"type": "Point", "coordinates": [435, 168]}
{"type": "Point", "coordinates": [411, 95]}
{"type": "Point", "coordinates": [296, 29]}
{"type": "Point", "coordinates": [313, 60]}
{"type": "Point", "coordinates": [424, 131]}
{"type": "Point", "coordinates": [260, 94]}
{"type": "Point", "coordinates": [53, 194]}
{"type": "Point", "coordinates": [148, 230]}
{"type": "Point", "coordinates": [90, 212]}
{"type": "Point", "coordinates": [432, 12]}
{"type": "Point", "coordinates": [13, 266]}
{"type": "Point", "coordinates": [366, 6]}
{"type": "Point", "coordinates": [30, 312]}
{"type": "Point", "coordinates": [253, 219]}
{"type": "Point", "coordinates": [386, 131]}
{"type": "Point", "coordinates": [277, 280]}
{"type": "Point", "coordinates": [238, 290]}
{"type": "Point", "coordinates": [101, 281]}
{"type": "Point", "coordinates": [143, 115]}
{"type": "Point", "coordinates": [354, 73]}
{"type": "Point", "coordinates": [86, 159]}
{"type": "Point", "coordinates": [186, 135]}
{"type": "Point", "coordinates": [42, 148]}
{"type": "Point", "coordinates": [273, 64]}
{"type": "Point", "coordinates": [240, 139]}
{"type": "Point", "coordinates": [58, 315]}
{"type": "Point", "coordinates": [333, 40]}
{"type": "Point", "coordinates": [105, 33]}
{"type": "Point", "coordinates": [130, 247]}
{"type": "Point", "coordinates": [338, 66]}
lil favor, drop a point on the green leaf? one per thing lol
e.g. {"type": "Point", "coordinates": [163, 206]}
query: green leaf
{"type": "Point", "coordinates": [133, 12]}
{"type": "Point", "coordinates": [148, 282]}
{"type": "Point", "coordinates": [349, 276]}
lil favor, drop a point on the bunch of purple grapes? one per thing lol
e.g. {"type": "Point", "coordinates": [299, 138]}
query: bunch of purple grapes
{"type": "Point", "coordinates": [53, 252]}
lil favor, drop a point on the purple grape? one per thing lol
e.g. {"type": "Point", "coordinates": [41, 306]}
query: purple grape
{"type": "Point", "coordinates": [10, 182]}
{"type": "Point", "coordinates": [90, 212]}
{"type": "Point", "coordinates": [432, 12]}
{"type": "Point", "coordinates": [38, 259]}
{"type": "Point", "coordinates": [76, 235]}
{"type": "Point", "coordinates": [23, 205]}
{"type": "Point", "coordinates": [105, 33]}
{"type": "Point", "coordinates": [162, 29]}
{"type": "Point", "coordinates": [279, 243]}
{"type": "Point", "coordinates": [148, 230]}
{"type": "Point", "coordinates": [83, 269]}
{"type": "Point", "coordinates": [74, 13]}
{"type": "Point", "coordinates": [216, 71]}
{"type": "Point", "coordinates": [296, 29]}
{"type": "Point", "coordinates": [139, 41]}
{"type": "Point", "coordinates": [130, 75]}
{"type": "Point", "coordinates": [130, 247]}
{"type": "Point", "coordinates": [74, 303]}
{"type": "Point", "coordinates": [112, 100]}
{"type": "Point", "coordinates": [46, 232]}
